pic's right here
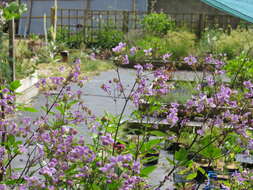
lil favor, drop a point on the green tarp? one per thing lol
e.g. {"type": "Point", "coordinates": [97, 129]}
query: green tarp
{"type": "Point", "coordinates": [239, 8]}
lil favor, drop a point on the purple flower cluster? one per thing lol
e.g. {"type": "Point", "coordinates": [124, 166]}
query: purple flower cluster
{"type": "Point", "coordinates": [119, 48]}
{"type": "Point", "coordinates": [148, 52]}
{"type": "Point", "coordinates": [121, 160]}
{"type": "Point", "coordinates": [107, 140]}
{"type": "Point", "coordinates": [172, 116]}
{"type": "Point", "coordinates": [166, 57]}
{"type": "Point", "coordinates": [65, 159]}
{"type": "Point", "coordinates": [133, 51]}
{"type": "Point", "coordinates": [190, 60]}
{"type": "Point", "coordinates": [125, 60]}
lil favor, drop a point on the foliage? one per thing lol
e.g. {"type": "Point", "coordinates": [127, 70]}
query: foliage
{"type": "Point", "coordinates": [48, 151]}
{"type": "Point", "coordinates": [8, 11]}
{"type": "Point", "coordinates": [55, 156]}
{"type": "Point", "coordinates": [234, 43]}
{"type": "Point", "coordinates": [68, 38]}
{"type": "Point", "coordinates": [240, 69]}
{"type": "Point", "coordinates": [13, 10]}
{"type": "Point", "coordinates": [178, 43]}
{"type": "Point", "coordinates": [107, 38]}
{"type": "Point", "coordinates": [157, 23]}
{"type": "Point", "coordinates": [207, 43]}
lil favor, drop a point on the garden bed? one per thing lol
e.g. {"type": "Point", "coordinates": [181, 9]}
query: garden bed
{"type": "Point", "coordinates": [144, 107]}
{"type": "Point", "coordinates": [137, 127]}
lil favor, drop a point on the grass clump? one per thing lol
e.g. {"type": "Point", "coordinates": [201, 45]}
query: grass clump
{"type": "Point", "coordinates": [179, 43]}
{"type": "Point", "coordinates": [238, 41]}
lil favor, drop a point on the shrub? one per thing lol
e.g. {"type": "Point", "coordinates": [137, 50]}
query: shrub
{"type": "Point", "coordinates": [69, 38]}
{"type": "Point", "coordinates": [157, 23]}
{"type": "Point", "coordinates": [240, 69]}
{"type": "Point", "coordinates": [179, 43]}
{"type": "Point", "coordinates": [234, 43]}
{"type": "Point", "coordinates": [108, 38]}
{"type": "Point", "coordinates": [208, 41]}
{"type": "Point", "coordinates": [157, 44]}
{"type": "Point", "coordinates": [132, 36]}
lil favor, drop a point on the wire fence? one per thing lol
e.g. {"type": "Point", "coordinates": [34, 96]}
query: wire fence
{"type": "Point", "coordinates": [88, 22]}
{"type": "Point", "coordinates": [85, 23]}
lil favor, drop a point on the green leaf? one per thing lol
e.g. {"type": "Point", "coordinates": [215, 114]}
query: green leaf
{"type": "Point", "coordinates": [147, 170]}
{"type": "Point", "coordinates": [61, 108]}
{"type": "Point", "coordinates": [150, 144]}
{"type": "Point", "coordinates": [14, 10]}
{"type": "Point", "coordinates": [191, 176]}
{"type": "Point", "coordinates": [181, 155]}
{"type": "Point", "coordinates": [202, 170]}
{"type": "Point", "coordinates": [171, 161]}
{"type": "Point", "coordinates": [15, 85]}
{"type": "Point", "coordinates": [211, 152]}
{"type": "Point", "coordinates": [70, 104]}
{"type": "Point", "coordinates": [158, 133]}
{"type": "Point", "coordinates": [27, 109]}
{"type": "Point", "coordinates": [95, 187]}
{"type": "Point", "coordinates": [11, 139]}
{"type": "Point", "coordinates": [11, 181]}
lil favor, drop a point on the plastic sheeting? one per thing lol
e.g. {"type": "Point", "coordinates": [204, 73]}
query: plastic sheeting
{"type": "Point", "coordinates": [239, 8]}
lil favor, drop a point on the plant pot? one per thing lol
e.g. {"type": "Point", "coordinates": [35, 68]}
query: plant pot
{"type": "Point", "coordinates": [65, 56]}
{"type": "Point", "coordinates": [174, 147]}
{"type": "Point", "coordinates": [154, 159]}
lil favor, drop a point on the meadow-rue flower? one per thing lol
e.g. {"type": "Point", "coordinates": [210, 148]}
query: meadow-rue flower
{"type": "Point", "coordinates": [92, 56]}
{"type": "Point", "coordinates": [166, 57]}
{"type": "Point", "coordinates": [190, 60]}
{"type": "Point", "coordinates": [120, 47]}
{"type": "Point", "coordinates": [139, 68]}
{"type": "Point", "coordinates": [148, 52]}
{"type": "Point", "coordinates": [106, 88]}
{"type": "Point", "coordinates": [107, 140]}
{"type": "Point", "coordinates": [125, 60]}
{"type": "Point", "coordinates": [133, 51]}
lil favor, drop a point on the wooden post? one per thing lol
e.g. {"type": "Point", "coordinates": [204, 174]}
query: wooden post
{"type": "Point", "coordinates": [12, 49]}
{"type": "Point", "coordinates": [125, 21]}
{"type": "Point", "coordinates": [133, 5]}
{"type": "Point", "coordinates": [52, 16]}
{"type": "Point", "coordinates": [200, 26]}
{"type": "Point", "coordinates": [29, 17]}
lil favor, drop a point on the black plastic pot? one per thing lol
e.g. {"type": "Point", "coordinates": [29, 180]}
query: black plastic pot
{"type": "Point", "coordinates": [153, 161]}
